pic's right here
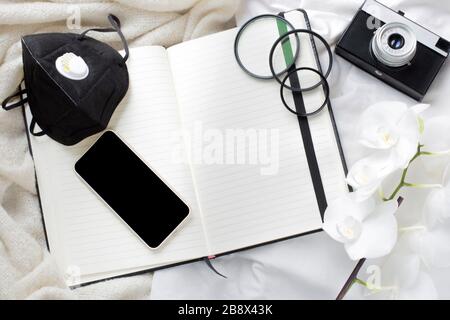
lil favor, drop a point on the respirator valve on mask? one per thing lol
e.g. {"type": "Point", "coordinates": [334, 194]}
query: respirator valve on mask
{"type": "Point", "coordinates": [72, 66]}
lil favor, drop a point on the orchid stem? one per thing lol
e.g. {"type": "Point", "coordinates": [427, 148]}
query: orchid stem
{"type": "Point", "coordinates": [436, 154]}
{"type": "Point", "coordinates": [361, 282]}
{"type": "Point", "coordinates": [412, 228]}
{"type": "Point", "coordinates": [421, 185]}
{"type": "Point", "coordinates": [399, 186]}
{"type": "Point", "coordinates": [402, 182]}
{"type": "Point", "coordinates": [351, 280]}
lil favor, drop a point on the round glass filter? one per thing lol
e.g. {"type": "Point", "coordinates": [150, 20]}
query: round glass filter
{"type": "Point", "coordinates": [254, 41]}
{"type": "Point", "coordinates": [310, 54]}
{"type": "Point", "coordinates": [303, 77]}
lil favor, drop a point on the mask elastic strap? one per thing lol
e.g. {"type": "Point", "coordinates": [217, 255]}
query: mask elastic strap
{"type": "Point", "coordinates": [32, 126]}
{"type": "Point", "coordinates": [115, 22]}
{"type": "Point", "coordinates": [20, 103]}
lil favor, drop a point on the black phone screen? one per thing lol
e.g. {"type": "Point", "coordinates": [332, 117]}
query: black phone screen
{"type": "Point", "coordinates": [131, 189]}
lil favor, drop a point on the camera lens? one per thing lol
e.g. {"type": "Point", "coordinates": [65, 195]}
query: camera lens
{"type": "Point", "coordinates": [394, 44]}
{"type": "Point", "coordinates": [396, 41]}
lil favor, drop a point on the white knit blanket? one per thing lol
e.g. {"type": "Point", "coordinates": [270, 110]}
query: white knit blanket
{"type": "Point", "coordinates": [26, 268]}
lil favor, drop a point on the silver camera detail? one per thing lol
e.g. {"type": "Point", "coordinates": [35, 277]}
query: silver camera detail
{"type": "Point", "coordinates": [394, 44]}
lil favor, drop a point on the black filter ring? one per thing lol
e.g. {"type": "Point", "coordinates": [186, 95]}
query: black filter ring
{"type": "Point", "coordinates": [296, 32]}
{"type": "Point", "coordinates": [323, 82]}
{"type": "Point", "coordinates": [238, 37]}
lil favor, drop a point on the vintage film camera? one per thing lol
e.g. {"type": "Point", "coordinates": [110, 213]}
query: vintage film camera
{"type": "Point", "coordinates": [393, 48]}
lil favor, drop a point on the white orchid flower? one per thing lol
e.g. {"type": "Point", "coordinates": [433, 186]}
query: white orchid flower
{"type": "Point", "coordinates": [392, 126]}
{"type": "Point", "coordinates": [433, 248]}
{"type": "Point", "coordinates": [436, 139]}
{"type": "Point", "coordinates": [437, 204]}
{"type": "Point", "coordinates": [367, 174]}
{"type": "Point", "coordinates": [403, 277]}
{"type": "Point", "coordinates": [430, 237]}
{"type": "Point", "coordinates": [430, 245]}
{"type": "Point", "coordinates": [367, 230]}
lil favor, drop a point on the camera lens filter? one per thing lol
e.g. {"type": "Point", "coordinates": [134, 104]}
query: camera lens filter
{"type": "Point", "coordinates": [254, 42]}
{"type": "Point", "coordinates": [269, 47]}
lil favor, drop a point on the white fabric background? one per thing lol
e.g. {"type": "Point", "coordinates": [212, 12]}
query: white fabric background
{"type": "Point", "coordinates": [308, 267]}
{"type": "Point", "coordinates": [313, 266]}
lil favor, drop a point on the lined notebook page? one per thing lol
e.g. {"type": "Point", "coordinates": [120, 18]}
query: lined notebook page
{"type": "Point", "coordinates": [85, 234]}
{"type": "Point", "coordinates": [242, 204]}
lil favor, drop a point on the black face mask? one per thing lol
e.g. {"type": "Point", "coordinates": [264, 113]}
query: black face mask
{"type": "Point", "coordinates": [73, 83]}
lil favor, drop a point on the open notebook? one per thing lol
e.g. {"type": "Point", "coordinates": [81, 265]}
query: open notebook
{"type": "Point", "coordinates": [180, 100]}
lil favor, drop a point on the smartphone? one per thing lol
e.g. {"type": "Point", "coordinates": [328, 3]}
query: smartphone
{"type": "Point", "coordinates": [131, 189]}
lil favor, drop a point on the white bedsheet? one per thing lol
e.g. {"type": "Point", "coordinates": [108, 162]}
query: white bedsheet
{"type": "Point", "coordinates": [313, 266]}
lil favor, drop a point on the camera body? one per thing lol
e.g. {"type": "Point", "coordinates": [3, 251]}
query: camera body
{"type": "Point", "coordinates": [394, 49]}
